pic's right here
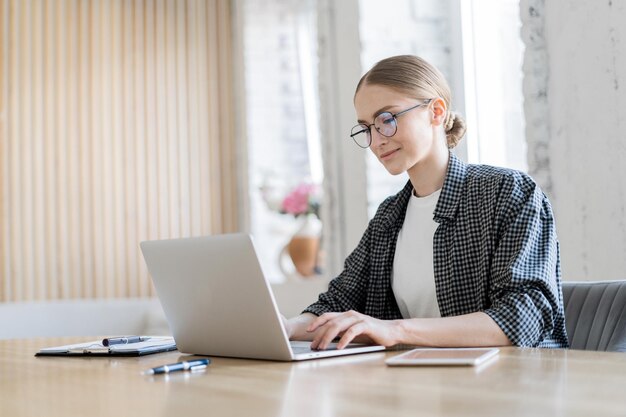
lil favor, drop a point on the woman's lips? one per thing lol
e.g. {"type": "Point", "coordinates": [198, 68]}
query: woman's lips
{"type": "Point", "coordinates": [389, 154]}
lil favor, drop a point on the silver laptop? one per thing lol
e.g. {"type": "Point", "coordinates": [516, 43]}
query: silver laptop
{"type": "Point", "coordinates": [218, 302]}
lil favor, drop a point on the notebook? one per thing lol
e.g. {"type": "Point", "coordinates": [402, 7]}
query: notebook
{"type": "Point", "coordinates": [154, 344]}
{"type": "Point", "coordinates": [218, 302]}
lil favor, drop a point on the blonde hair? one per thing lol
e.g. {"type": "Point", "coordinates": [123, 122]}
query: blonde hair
{"type": "Point", "coordinates": [412, 75]}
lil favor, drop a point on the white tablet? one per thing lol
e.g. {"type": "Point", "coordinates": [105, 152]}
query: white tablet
{"type": "Point", "coordinates": [443, 356]}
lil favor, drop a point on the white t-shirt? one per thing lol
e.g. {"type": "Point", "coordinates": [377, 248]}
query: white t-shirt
{"type": "Point", "coordinates": [413, 277]}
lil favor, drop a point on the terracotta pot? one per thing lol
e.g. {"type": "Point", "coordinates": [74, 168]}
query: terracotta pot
{"type": "Point", "coordinates": [303, 252]}
{"type": "Point", "coordinates": [303, 248]}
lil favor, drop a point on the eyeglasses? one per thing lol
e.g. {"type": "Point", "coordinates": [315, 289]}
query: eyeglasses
{"type": "Point", "coordinates": [385, 123]}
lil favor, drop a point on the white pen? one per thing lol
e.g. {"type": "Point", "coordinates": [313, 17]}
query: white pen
{"type": "Point", "coordinates": [124, 340]}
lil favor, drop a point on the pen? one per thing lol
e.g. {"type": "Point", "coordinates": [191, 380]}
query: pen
{"type": "Point", "coordinates": [123, 340]}
{"type": "Point", "coordinates": [194, 365]}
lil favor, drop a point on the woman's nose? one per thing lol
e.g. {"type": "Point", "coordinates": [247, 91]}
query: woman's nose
{"type": "Point", "coordinates": [378, 138]}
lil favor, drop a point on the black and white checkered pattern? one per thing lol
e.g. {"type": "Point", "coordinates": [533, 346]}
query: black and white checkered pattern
{"type": "Point", "coordinates": [495, 250]}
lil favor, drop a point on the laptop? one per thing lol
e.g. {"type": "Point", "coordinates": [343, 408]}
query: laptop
{"type": "Point", "coordinates": [218, 302]}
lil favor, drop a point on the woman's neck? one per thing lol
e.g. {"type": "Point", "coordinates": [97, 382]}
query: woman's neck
{"type": "Point", "coordinates": [428, 175]}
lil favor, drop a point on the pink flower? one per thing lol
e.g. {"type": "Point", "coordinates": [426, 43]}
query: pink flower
{"type": "Point", "coordinates": [300, 201]}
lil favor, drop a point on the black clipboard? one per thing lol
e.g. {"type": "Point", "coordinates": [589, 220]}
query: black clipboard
{"type": "Point", "coordinates": [155, 344]}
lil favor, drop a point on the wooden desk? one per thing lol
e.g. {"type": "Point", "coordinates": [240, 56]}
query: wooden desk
{"type": "Point", "coordinates": [522, 382]}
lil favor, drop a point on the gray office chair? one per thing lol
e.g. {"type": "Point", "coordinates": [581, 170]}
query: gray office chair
{"type": "Point", "coordinates": [595, 315]}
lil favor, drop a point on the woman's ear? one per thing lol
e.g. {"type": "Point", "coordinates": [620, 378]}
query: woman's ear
{"type": "Point", "coordinates": [439, 111]}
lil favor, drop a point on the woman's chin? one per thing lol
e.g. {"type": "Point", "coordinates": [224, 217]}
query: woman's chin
{"type": "Point", "coordinates": [394, 170]}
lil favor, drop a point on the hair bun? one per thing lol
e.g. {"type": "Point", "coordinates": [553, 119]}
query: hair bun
{"type": "Point", "coordinates": [455, 129]}
{"type": "Point", "coordinates": [450, 121]}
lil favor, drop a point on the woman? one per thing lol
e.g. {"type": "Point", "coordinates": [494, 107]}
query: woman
{"type": "Point", "coordinates": [464, 255]}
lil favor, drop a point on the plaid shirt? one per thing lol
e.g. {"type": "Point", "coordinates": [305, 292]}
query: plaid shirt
{"type": "Point", "coordinates": [495, 251]}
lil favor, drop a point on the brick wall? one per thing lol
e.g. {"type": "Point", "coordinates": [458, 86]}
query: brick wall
{"type": "Point", "coordinates": [575, 70]}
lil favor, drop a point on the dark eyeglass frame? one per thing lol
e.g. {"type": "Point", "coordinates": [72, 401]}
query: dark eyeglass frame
{"type": "Point", "coordinates": [367, 129]}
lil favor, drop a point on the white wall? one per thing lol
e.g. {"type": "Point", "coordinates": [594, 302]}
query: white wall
{"type": "Point", "coordinates": [576, 113]}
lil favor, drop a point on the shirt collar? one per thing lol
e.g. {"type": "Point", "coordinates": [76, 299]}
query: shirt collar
{"type": "Point", "coordinates": [448, 199]}
{"type": "Point", "coordinates": [397, 210]}
{"type": "Point", "coordinates": [452, 190]}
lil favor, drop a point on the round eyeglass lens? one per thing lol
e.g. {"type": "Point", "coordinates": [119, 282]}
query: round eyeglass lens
{"type": "Point", "coordinates": [361, 135]}
{"type": "Point", "coordinates": [385, 123]}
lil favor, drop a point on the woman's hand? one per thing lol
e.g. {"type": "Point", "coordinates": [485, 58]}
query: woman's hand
{"type": "Point", "coordinates": [352, 326]}
{"type": "Point", "coordinates": [295, 327]}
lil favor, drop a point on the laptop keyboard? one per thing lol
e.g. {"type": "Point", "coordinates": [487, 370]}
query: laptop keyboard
{"type": "Point", "coordinates": [305, 347]}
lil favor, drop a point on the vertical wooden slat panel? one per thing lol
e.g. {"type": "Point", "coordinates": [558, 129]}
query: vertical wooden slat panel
{"type": "Point", "coordinates": [14, 216]}
{"type": "Point", "coordinates": [16, 219]}
{"type": "Point", "coordinates": [34, 98]}
{"type": "Point", "coordinates": [213, 127]}
{"type": "Point", "coordinates": [51, 172]}
{"type": "Point", "coordinates": [5, 233]}
{"type": "Point", "coordinates": [72, 123]}
{"type": "Point", "coordinates": [182, 133]}
{"type": "Point", "coordinates": [62, 151]}
{"type": "Point", "coordinates": [48, 275]}
{"type": "Point", "coordinates": [106, 143]}
{"type": "Point", "coordinates": [135, 150]}
{"type": "Point", "coordinates": [228, 185]}
{"type": "Point", "coordinates": [118, 244]}
{"type": "Point", "coordinates": [151, 139]}
{"type": "Point", "coordinates": [40, 230]}
{"type": "Point", "coordinates": [94, 206]}
{"type": "Point", "coordinates": [85, 117]}
{"type": "Point", "coordinates": [27, 115]}
{"type": "Point", "coordinates": [3, 160]}
{"type": "Point", "coordinates": [170, 98]}
{"type": "Point", "coordinates": [111, 135]}
{"type": "Point", "coordinates": [193, 75]}
{"type": "Point", "coordinates": [143, 106]}
{"type": "Point", "coordinates": [129, 212]}
{"type": "Point", "coordinates": [42, 182]}
{"type": "Point", "coordinates": [204, 115]}
{"type": "Point", "coordinates": [109, 147]}
{"type": "Point", "coordinates": [222, 149]}
{"type": "Point", "coordinates": [162, 132]}
{"type": "Point", "coordinates": [19, 213]}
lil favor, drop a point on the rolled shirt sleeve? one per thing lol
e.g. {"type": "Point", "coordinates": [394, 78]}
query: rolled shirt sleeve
{"type": "Point", "coordinates": [348, 290]}
{"type": "Point", "coordinates": [525, 286]}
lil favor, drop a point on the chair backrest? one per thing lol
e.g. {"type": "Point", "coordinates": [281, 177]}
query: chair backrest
{"type": "Point", "coordinates": [595, 315]}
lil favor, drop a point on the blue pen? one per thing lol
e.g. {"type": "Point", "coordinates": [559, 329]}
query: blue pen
{"type": "Point", "coordinates": [194, 365]}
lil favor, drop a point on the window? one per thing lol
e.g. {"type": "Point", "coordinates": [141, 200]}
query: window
{"type": "Point", "coordinates": [282, 97]}
{"type": "Point", "coordinates": [420, 27]}
{"type": "Point", "coordinates": [280, 58]}
{"type": "Point", "coordinates": [482, 63]}
{"type": "Point", "coordinates": [492, 54]}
